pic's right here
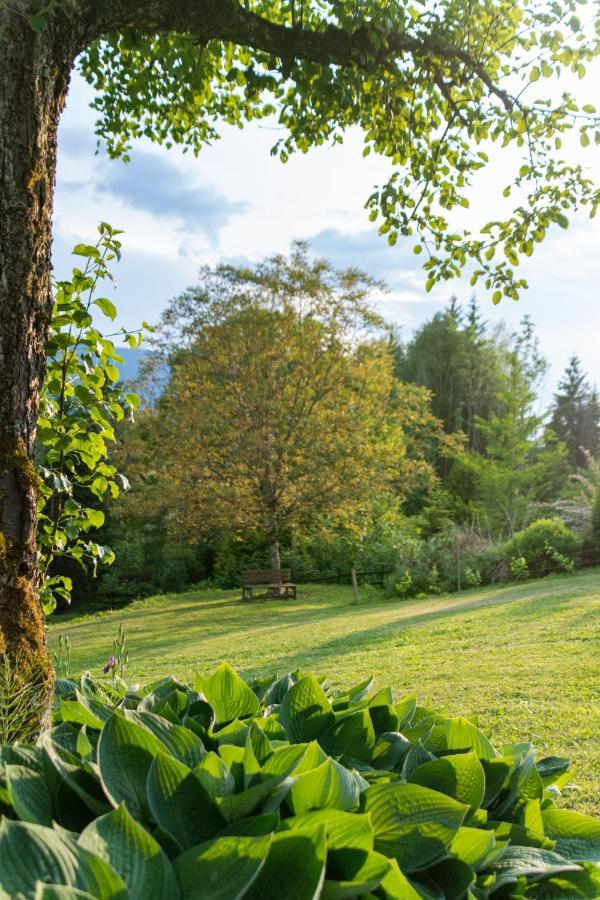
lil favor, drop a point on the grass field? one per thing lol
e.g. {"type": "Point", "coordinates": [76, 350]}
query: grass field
{"type": "Point", "coordinates": [524, 658]}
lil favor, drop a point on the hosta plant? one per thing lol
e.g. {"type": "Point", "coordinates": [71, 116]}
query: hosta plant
{"type": "Point", "coordinates": [280, 788]}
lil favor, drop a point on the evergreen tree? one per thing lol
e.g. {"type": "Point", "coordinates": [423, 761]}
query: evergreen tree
{"type": "Point", "coordinates": [576, 414]}
{"type": "Point", "coordinates": [461, 364]}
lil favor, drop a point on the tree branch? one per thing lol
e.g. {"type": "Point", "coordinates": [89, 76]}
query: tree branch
{"type": "Point", "coordinates": [227, 20]}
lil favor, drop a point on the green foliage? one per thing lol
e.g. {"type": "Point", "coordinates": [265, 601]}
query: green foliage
{"type": "Point", "coordinates": [546, 546]}
{"type": "Point", "coordinates": [80, 406]}
{"type": "Point", "coordinates": [427, 88]}
{"type": "Point", "coordinates": [576, 415]}
{"type": "Point", "coordinates": [280, 787]}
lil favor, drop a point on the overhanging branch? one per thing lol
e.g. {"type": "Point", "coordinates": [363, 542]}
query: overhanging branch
{"type": "Point", "coordinates": [227, 20]}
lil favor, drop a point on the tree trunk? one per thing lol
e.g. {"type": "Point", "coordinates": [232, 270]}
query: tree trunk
{"type": "Point", "coordinates": [274, 548]}
{"type": "Point", "coordinates": [34, 75]}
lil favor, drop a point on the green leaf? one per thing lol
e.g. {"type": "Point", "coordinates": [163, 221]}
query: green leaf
{"type": "Point", "coordinates": [215, 775]}
{"type": "Point", "coordinates": [223, 869]}
{"type": "Point", "coordinates": [268, 794]}
{"type": "Point", "coordinates": [295, 867]}
{"type": "Point", "coordinates": [459, 776]}
{"type": "Point", "coordinates": [329, 786]}
{"type": "Point", "coordinates": [32, 853]}
{"type": "Point", "coordinates": [85, 711]}
{"type": "Point", "coordinates": [107, 306]}
{"type": "Point", "coordinates": [529, 862]}
{"type": "Point", "coordinates": [353, 872]}
{"type": "Point", "coordinates": [29, 795]}
{"type": "Point", "coordinates": [180, 804]}
{"type": "Point", "coordinates": [179, 741]}
{"type": "Point", "coordinates": [305, 711]}
{"type": "Point", "coordinates": [584, 885]}
{"type": "Point", "coordinates": [412, 823]}
{"type": "Point", "coordinates": [342, 829]}
{"type": "Point", "coordinates": [125, 754]}
{"type": "Point", "coordinates": [472, 845]}
{"type": "Point", "coordinates": [133, 853]}
{"type": "Point", "coordinates": [352, 736]}
{"type": "Point", "coordinates": [228, 695]}
{"type": "Point", "coordinates": [463, 735]}
{"type": "Point", "coordinates": [577, 836]}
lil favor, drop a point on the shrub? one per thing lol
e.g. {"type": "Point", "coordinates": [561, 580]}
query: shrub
{"type": "Point", "coordinates": [518, 568]}
{"type": "Point", "coordinates": [280, 788]}
{"type": "Point", "coordinates": [547, 546]}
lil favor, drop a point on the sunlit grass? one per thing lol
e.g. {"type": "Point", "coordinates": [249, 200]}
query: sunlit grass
{"type": "Point", "coordinates": [523, 658]}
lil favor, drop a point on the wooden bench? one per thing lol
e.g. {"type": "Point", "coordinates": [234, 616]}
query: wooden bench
{"type": "Point", "coordinates": [268, 583]}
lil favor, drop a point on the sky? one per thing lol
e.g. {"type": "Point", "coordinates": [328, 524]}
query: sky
{"type": "Point", "coordinates": [235, 202]}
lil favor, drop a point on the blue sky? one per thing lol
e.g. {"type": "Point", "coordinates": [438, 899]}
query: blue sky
{"type": "Point", "coordinates": [236, 202]}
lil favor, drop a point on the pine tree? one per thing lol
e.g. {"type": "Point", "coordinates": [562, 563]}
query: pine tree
{"type": "Point", "coordinates": [576, 414]}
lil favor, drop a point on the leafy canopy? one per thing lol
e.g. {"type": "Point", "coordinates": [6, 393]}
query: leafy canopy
{"type": "Point", "coordinates": [281, 402]}
{"type": "Point", "coordinates": [432, 87]}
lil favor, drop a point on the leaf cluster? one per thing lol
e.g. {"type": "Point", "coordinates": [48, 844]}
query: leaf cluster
{"type": "Point", "coordinates": [281, 787]}
{"type": "Point", "coordinates": [81, 404]}
{"type": "Point", "coordinates": [433, 89]}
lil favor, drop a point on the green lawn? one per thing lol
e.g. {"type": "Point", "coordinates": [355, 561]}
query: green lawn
{"type": "Point", "coordinates": [523, 658]}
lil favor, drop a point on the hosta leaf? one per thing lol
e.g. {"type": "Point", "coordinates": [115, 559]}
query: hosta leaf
{"type": "Point", "coordinates": [215, 775]}
{"type": "Point", "coordinates": [577, 837]}
{"type": "Point", "coordinates": [582, 885]}
{"type": "Point", "coordinates": [223, 869]}
{"type": "Point", "coordinates": [180, 804]}
{"type": "Point", "coordinates": [472, 845]}
{"type": "Point", "coordinates": [353, 872]}
{"type": "Point", "coordinates": [395, 885]}
{"type": "Point", "coordinates": [390, 750]}
{"type": "Point", "coordinates": [417, 756]}
{"type": "Point", "coordinates": [228, 695]}
{"type": "Point", "coordinates": [352, 736]}
{"type": "Point", "coordinates": [459, 776]}
{"type": "Point", "coordinates": [530, 862]}
{"type": "Point", "coordinates": [412, 823]}
{"type": "Point", "coordinates": [305, 711]}
{"type": "Point", "coordinates": [342, 829]}
{"type": "Point", "coordinates": [330, 785]}
{"type": "Point", "coordinates": [520, 836]}
{"type": "Point", "coordinates": [550, 767]}
{"type": "Point", "coordinates": [268, 795]}
{"type": "Point", "coordinates": [405, 710]}
{"type": "Point", "coordinates": [125, 753]}
{"type": "Point", "coordinates": [463, 735]}
{"type": "Point", "coordinates": [32, 853]}
{"type": "Point", "coordinates": [283, 760]}
{"type": "Point", "coordinates": [384, 718]}
{"type": "Point", "coordinates": [453, 877]}
{"type": "Point", "coordinates": [265, 823]}
{"type": "Point", "coordinates": [496, 773]}
{"type": "Point", "coordinates": [78, 780]}
{"type": "Point", "coordinates": [29, 795]}
{"type": "Point", "coordinates": [133, 853]}
{"type": "Point", "coordinates": [235, 733]}
{"type": "Point", "coordinates": [85, 711]}
{"type": "Point", "coordinates": [294, 869]}
{"type": "Point", "coordinates": [179, 741]}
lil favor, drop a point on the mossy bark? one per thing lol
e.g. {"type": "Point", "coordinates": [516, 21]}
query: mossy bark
{"type": "Point", "coordinates": [34, 74]}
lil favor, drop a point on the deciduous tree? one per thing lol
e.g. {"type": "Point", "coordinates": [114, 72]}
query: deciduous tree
{"type": "Point", "coordinates": [281, 403]}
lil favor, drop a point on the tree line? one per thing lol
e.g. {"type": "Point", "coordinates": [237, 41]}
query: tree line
{"type": "Point", "coordinates": [286, 422]}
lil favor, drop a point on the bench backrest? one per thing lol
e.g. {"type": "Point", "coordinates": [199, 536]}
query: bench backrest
{"type": "Point", "coordinates": [266, 576]}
